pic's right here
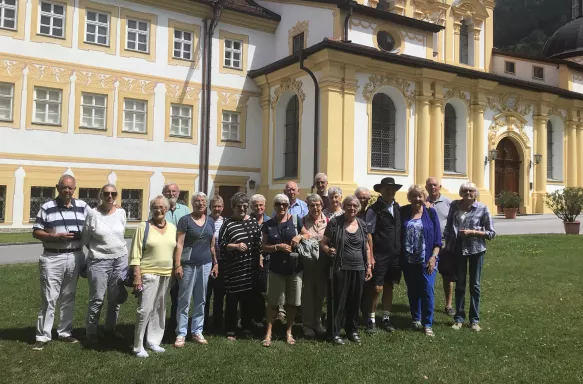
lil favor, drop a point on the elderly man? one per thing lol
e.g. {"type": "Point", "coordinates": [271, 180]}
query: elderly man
{"type": "Point", "coordinates": [296, 206]}
{"type": "Point", "coordinates": [383, 221]}
{"type": "Point", "coordinates": [363, 195]}
{"type": "Point", "coordinates": [58, 225]}
{"type": "Point", "coordinates": [321, 184]}
{"type": "Point", "coordinates": [441, 205]}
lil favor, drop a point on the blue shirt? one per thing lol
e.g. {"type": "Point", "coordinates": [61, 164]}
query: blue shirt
{"type": "Point", "coordinates": [299, 208]}
{"type": "Point", "coordinates": [198, 238]}
{"type": "Point", "coordinates": [179, 211]}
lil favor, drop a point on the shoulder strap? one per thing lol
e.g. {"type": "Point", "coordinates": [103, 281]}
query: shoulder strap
{"type": "Point", "coordinates": [146, 231]}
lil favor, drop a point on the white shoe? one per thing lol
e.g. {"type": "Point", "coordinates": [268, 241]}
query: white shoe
{"type": "Point", "coordinates": [457, 326]}
{"type": "Point", "coordinates": [142, 354]}
{"type": "Point", "coordinates": [476, 327]}
{"type": "Point", "coordinates": [156, 348]}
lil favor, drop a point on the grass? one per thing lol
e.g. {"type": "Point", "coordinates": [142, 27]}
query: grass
{"type": "Point", "coordinates": [26, 237]}
{"type": "Point", "coordinates": [530, 315]}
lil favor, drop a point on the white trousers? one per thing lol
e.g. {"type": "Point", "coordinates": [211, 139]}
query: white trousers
{"type": "Point", "coordinates": [151, 313]}
{"type": "Point", "coordinates": [58, 283]}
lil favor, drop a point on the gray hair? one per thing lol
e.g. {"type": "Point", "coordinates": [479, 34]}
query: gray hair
{"type": "Point", "coordinates": [360, 190]}
{"type": "Point", "coordinates": [470, 186]}
{"type": "Point", "coordinates": [100, 195]}
{"type": "Point", "coordinates": [196, 196]}
{"type": "Point", "coordinates": [334, 191]}
{"type": "Point", "coordinates": [257, 198]}
{"type": "Point", "coordinates": [239, 198]}
{"type": "Point", "coordinates": [66, 176]}
{"type": "Point", "coordinates": [281, 198]}
{"type": "Point", "coordinates": [161, 198]}
{"type": "Point", "coordinates": [352, 199]}
{"type": "Point", "coordinates": [314, 198]}
{"type": "Point", "coordinates": [321, 176]}
{"type": "Point", "coordinates": [166, 186]}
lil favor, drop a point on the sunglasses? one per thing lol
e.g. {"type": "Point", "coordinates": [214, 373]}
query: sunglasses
{"type": "Point", "coordinates": [244, 206]}
{"type": "Point", "coordinates": [281, 204]}
{"type": "Point", "coordinates": [112, 194]}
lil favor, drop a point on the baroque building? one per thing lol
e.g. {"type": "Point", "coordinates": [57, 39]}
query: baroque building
{"type": "Point", "coordinates": [242, 95]}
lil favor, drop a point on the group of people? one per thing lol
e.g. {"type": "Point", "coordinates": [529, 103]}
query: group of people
{"type": "Point", "coordinates": [252, 268]}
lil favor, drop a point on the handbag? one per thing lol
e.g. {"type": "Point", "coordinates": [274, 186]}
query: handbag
{"type": "Point", "coordinates": [186, 251]}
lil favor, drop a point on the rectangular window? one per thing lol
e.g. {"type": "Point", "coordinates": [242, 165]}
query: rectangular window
{"type": "Point", "coordinates": [52, 19]}
{"type": "Point", "coordinates": [131, 202]}
{"type": "Point", "coordinates": [233, 53]}
{"type": "Point", "coordinates": [134, 115]}
{"type": "Point", "coordinates": [47, 106]}
{"type": "Point", "coordinates": [231, 125]}
{"type": "Point", "coordinates": [510, 67]}
{"type": "Point", "coordinates": [97, 27]}
{"type": "Point", "coordinates": [39, 196]}
{"type": "Point", "coordinates": [298, 43]}
{"type": "Point", "coordinates": [90, 196]}
{"type": "Point", "coordinates": [180, 120]}
{"type": "Point", "coordinates": [8, 11]}
{"type": "Point", "coordinates": [2, 203]}
{"type": "Point", "coordinates": [6, 101]}
{"type": "Point", "coordinates": [183, 42]}
{"type": "Point", "coordinates": [538, 73]}
{"type": "Point", "coordinates": [138, 35]}
{"type": "Point", "coordinates": [93, 111]}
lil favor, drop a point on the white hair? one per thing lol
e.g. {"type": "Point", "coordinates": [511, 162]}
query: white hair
{"type": "Point", "coordinates": [321, 176]}
{"type": "Point", "coordinates": [257, 198]}
{"type": "Point", "coordinates": [162, 199]}
{"type": "Point", "coordinates": [352, 199]}
{"type": "Point", "coordinates": [196, 196]}
{"type": "Point", "coordinates": [334, 191]}
{"type": "Point", "coordinates": [166, 186]}
{"type": "Point", "coordinates": [66, 176]}
{"type": "Point", "coordinates": [470, 186]}
{"type": "Point", "coordinates": [360, 190]}
{"type": "Point", "coordinates": [281, 198]}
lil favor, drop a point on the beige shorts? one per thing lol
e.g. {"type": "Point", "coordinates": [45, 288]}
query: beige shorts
{"type": "Point", "coordinates": [284, 289]}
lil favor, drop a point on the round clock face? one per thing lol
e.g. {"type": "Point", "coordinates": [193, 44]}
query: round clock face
{"type": "Point", "coordinates": [386, 41]}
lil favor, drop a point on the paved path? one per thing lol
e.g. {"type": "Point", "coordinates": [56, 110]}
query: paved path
{"type": "Point", "coordinates": [29, 253]}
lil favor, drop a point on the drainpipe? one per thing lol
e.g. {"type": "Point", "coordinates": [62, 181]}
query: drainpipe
{"type": "Point", "coordinates": [316, 114]}
{"type": "Point", "coordinates": [347, 20]}
{"type": "Point", "coordinates": [203, 177]}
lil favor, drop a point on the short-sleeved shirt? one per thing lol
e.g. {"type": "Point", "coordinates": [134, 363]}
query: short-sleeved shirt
{"type": "Point", "coordinates": [55, 217]}
{"type": "Point", "coordinates": [178, 213]}
{"type": "Point", "coordinates": [441, 206]}
{"type": "Point", "coordinates": [278, 233]}
{"type": "Point", "coordinates": [198, 238]}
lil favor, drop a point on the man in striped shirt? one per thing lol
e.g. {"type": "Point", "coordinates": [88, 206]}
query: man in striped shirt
{"type": "Point", "coordinates": [58, 225]}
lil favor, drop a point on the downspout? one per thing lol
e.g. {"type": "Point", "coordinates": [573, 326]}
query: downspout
{"type": "Point", "coordinates": [347, 20]}
{"type": "Point", "coordinates": [316, 115]}
{"type": "Point", "coordinates": [202, 178]}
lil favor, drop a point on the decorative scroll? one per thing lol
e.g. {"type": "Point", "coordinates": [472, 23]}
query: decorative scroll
{"type": "Point", "coordinates": [288, 84]}
{"type": "Point", "coordinates": [375, 82]}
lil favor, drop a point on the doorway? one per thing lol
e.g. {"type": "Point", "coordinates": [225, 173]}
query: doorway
{"type": "Point", "coordinates": [226, 192]}
{"type": "Point", "coordinates": [507, 168]}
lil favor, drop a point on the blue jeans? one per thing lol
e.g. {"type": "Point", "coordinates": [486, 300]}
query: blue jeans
{"type": "Point", "coordinates": [420, 290]}
{"type": "Point", "coordinates": [476, 262]}
{"type": "Point", "coordinates": [193, 285]}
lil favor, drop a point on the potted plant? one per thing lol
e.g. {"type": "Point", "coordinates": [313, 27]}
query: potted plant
{"type": "Point", "coordinates": [567, 205]}
{"type": "Point", "coordinates": [509, 201]}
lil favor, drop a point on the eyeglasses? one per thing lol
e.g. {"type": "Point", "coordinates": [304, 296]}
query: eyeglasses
{"type": "Point", "coordinates": [281, 204]}
{"type": "Point", "coordinates": [351, 206]}
{"type": "Point", "coordinates": [112, 194]}
{"type": "Point", "coordinates": [468, 191]}
{"type": "Point", "coordinates": [244, 206]}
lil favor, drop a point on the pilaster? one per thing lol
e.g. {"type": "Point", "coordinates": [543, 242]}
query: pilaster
{"type": "Point", "coordinates": [436, 162]}
{"type": "Point", "coordinates": [477, 32]}
{"type": "Point", "coordinates": [265, 102]}
{"type": "Point", "coordinates": [422, 138]}
{"type": "Point", "coordinates": [488, 38]}
{"type": "Point", "coordinates": [580, 154]}
{"type": "Point", "coordinates": [571, 164]}
{"type": "Point", "coordinates": [540, 170]}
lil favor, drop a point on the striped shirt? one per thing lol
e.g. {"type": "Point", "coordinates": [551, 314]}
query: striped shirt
{"type": "Point", "coordinates": [240, 267]}
{"type": "Point", "coordinates": [478, 218]}
{"type": "Point", "coordinates": [218, 224]}
{"type": "Point", "coordinates": [55, 217]}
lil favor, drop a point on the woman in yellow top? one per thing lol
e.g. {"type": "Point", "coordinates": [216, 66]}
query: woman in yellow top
{"type": "Point", "coordinates": [152, 270]}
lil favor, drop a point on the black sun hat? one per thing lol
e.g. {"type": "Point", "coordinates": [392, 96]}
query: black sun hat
{"type": "Point", "coordinates": [387, 181]}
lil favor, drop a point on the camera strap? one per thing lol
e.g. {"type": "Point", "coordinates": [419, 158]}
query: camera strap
{"type": "Point", "coordinates": [63, 217]}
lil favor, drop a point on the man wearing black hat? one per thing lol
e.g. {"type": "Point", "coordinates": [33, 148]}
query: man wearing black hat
{"type": "Point", "coordinates": [384, 224]}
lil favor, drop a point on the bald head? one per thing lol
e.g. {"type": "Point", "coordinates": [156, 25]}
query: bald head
{"type": "Point", "coordinates": [292, 191]}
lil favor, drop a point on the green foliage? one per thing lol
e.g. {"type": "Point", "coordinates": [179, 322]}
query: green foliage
{"type": "Point", "coordinates": [508, 199]}
{"type": "Point", "coordinates": [566, 204]}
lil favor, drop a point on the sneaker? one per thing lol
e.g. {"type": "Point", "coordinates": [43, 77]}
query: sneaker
{"type": "Point", "coordinates": [142, 354]}
{"type": "Point", "coordinates": [309, 332]}
{"type": "Point", "coordinates": [69, 339]}
{"type": "Point", "coordinates": [371, 327]}
{"type": "Point", "coordinates": [199, 339]}
{"type": "Point", "coordinates": [449, 311]}
{"type": "Point", "coordinates": [457, 326]}
{"type": "Point", "coordinates": [39, 345]}
{"type": "Point", "coordinates": [476, 327]}
{"type": "Point", "coordinates": [387, 326]}
{"type": "Point", "coordinates": [179, 343]}
{"type": "Point", "coordinates": [156, 348]}
{"type": "Point", "coordinates": [338, 341]}
{"type": "Point", "coordinates": [416, 325]}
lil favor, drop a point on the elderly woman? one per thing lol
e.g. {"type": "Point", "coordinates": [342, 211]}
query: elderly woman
{"type": "Point", "coordinates": [240, 241]}
{"type": "Point", "coordinates": [314, 281]}
{"type": "Point", "coordinates": [345, 241]}
{"type": "Point", "coordinates": [335, 207]}
{"type": "Point", "coordinates": [151, 259]}
{"type": "Point", "coordinates": [468, 226]}
{"type": "Point", "coordinates": [281, 235]}
{"type": "Point", "coordinates": [194, 261]}
{"type": "Point", "coordinates": [421, 242]}
{"type": "Point", "coordinates": [216, 284]}
{"type": "Point", "coordinates": [257, 203]}
{"type": "Point", "coordinates": [103, 233]}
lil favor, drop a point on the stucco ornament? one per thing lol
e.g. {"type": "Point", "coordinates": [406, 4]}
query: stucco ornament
{"type": "Point", "coordinates": [49, 73]}
{"type": "Point", "coordinates": [454, 93]}
{"type": "Point", "coordinates": [129, 84]}
{"type": "Point", "coordinates": [11, 68]}
{"type": "Point", "coordinates": [233, 99]}
{"type": "Point", "coordinates": [375, 82]}
{"type": "Point", "coordinates": [95, 79]}
{"type": "Point", "coordinates": [509, 102]}
{"type": "Point", "coordinates": [288, 84]}
{"type": "Point", "coordinates": [561, 113]}
{"type": "Point", "coordinates": [182, 91]}
{"type": "Point", "coordinates": [504, 123]}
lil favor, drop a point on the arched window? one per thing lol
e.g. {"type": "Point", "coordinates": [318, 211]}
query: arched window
{"type": "Point", "coordinates": [383, 132]}
{"type": "Point", "coordinates": [292, 125]}
{"type": "Point", "coordinates": [549, 150]}
{"type": "Point", "coordinates": [450, 139]}
{"type": "Point", "coordinates": [464, 43]}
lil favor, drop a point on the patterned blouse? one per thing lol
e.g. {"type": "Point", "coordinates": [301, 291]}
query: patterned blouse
{"type": "Point", "coordinates": [414, 242]}
{"type": "Point", "coordinates": [478, 218]}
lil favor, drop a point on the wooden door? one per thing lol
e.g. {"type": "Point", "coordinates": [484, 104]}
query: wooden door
{"type": "Point", "coordinates": [507, 168]}
{"type": "Point", "coordinates": [226, 192]}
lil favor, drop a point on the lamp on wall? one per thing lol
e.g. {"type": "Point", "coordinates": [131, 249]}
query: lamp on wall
{"type": "Point", "coordinates": [492, 156]}
{"type": "Point", "coordinates": [251, 184]}
{"type": "Point", "coordinates": [537, 158]}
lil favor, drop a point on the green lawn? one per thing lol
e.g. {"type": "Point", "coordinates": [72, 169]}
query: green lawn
{"type": "Point", "coordinates": [531, 315]}
{"type": "Point", "coordinates": [26, 237]}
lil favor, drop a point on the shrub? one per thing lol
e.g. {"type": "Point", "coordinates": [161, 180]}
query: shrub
{"type": "Point", "coordinates": [508, 199]}
{"type": "Point", "coordinates": [566, 204]}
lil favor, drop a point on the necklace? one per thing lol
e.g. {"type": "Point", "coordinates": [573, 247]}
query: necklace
{"type": "Point", "coordinates": [159, 226]}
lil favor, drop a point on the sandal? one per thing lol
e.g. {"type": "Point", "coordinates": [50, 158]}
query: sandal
{"type": "Point", "coordinates": [289, 339]}
{"type": "Point", "coordinates": [266, 342]}
{"type": "Point", "coordinates": [429, 332]}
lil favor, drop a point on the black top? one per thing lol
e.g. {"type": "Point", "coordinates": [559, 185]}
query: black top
{"type": "Point", "coordinates": [352, 257]}
{"type": "Point", "coordinates": [387, 234]}
{"type": "Point", "coordinates": [346, 244]}
{"type": "Point", "coordinates": [278, 233]}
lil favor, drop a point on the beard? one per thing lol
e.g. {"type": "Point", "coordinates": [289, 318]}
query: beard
{"type": "Point", "coordinates": [172, 201]}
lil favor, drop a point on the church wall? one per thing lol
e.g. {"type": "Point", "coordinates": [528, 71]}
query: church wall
{"type": "Point", "coordinates": [524, 70]}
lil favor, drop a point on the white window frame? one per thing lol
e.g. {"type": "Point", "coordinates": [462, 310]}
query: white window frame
{"type": "Point", "coordinates": [11, 98]}
{"type": "Point", "coordinates": [534, 68]}
{"type": "Point", "coordinates": [93, 108]}
{"type": "Point", "coordinates": [97, 24]}
{"type": "Point", "coordinates": [52, 16]}
{"type": "Point", "coordinates": [3, 18]}
{"type": "Point", "coordinates": [182, 43]}
{"type": "Point", "coordinates": [506, 68]}
{"type": "Point", "coordinates": [46, 103]}
{"type": "Point", "coordinates": [180, 118]}
{"type": "Point", "coordinates": [138, 32]}
{"type": "Point", "coordinates": [232, 51]}
{"type": "Point", "coordinates": [134, 113]}
{"type": "Point", "coordinates": [229, 125]}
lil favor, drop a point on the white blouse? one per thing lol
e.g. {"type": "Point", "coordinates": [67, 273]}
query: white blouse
{"type": "Point", "coordinates": [104, 234]}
